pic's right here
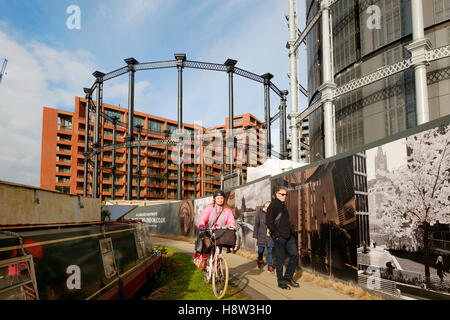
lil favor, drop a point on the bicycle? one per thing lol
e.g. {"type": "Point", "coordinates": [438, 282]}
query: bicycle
{"type": "Point", "coordinates": [216, 267]}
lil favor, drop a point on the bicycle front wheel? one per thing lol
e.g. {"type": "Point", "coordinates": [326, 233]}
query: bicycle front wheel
{"type": "Point", "coordinates": [206, 276]}
{"type": "Point", "coordinates": [220, 277]}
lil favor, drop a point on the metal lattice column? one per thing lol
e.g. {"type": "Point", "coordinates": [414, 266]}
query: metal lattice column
{"type": "Point", "coordinates": [86, 140]}
{"type": "Point", "coordinates": [99, 75]}
{"type": "Point", "coordinates": [138, 171]}
{"type": "Point", "coordinates": [166, 161]}
{"type": "Point", "coordinates": [180, 58]}
{"type": "Point", "coordinates": [131, 62]}
{"type": "Point", "coordinates": [293, 80]}
{"type": "Point", "coordinates": [283, 148]}
{"type": "Point", "coordinates": [230, 141]}
{"type": "Point", "coordinates": [267, 78]}
{"type": "Point", "coordinates": [113, 168]}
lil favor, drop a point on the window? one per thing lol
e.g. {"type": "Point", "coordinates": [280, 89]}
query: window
{"type": "Point", "coordinates": [155, 126]}
{"type": "Point", "coordinates": [63, 137]}
{"type": "Point", "coordinates": [63, 159]}
{"type": "Point", "coordinates": [17, 279]}
{"type": "Point", "coordinates": [110, 114]}
{"type": "Point", "coordinates": [237, 122]}
{"type": "Point", "coordinates": [171, 128]}
{"type": "Point", "coordinates": [63, 189]}
{"type": "Point", "coordinates": [138, 121]}
{"type": "Point", "coordinates": [64, 148]}
{"type": "Point", "coordinates": [62, 179]}
{"type": "Point", "coordinates": [441, 10]}
{"type": "Point", "coordinates": [63, 169]}
{"type": "Point", "coordinates": [109, 262]}
{"type": "Point", "coordinates": [65, 123]}
{"type": "Point", "coordinates": [155, 181]}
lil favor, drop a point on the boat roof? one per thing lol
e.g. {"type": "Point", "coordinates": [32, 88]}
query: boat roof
{"type": "Point", "coordinates": [118, 211]}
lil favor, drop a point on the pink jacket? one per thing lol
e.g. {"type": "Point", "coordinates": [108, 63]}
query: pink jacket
{"type": "Point", "coordinates": [225, 219]}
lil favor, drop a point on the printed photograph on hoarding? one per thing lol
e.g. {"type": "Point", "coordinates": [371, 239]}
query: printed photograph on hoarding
{"type": "Point", "coordinates": [248, 201]}
{"type": "Point", "coordinates": [322, 211]}
{"type": "Point", "coordinates": [186, 218]}
{"type": "Point", "coordinates": [409, 215]}
{"type": "Point", "coordinates": [162, 218]}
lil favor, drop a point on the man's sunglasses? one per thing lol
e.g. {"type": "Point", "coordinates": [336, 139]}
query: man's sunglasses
{"type": "Point", "coordinates": [282, 194]}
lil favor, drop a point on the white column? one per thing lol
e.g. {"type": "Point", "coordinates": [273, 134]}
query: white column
{"type": "Point", "coordinates": [293, 79]}
{"type": "Point", "coordinates": [326, 43]}
{"type": "Point", "coordinates": [418, 49]}
{"type": "Point", "coordinates": [417, 19]}
{"type": "Point", "coordinates": [328, 85]}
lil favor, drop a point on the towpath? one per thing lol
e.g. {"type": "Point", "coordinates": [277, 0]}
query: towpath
{"type": "Point", "coordinates": [260, 284]}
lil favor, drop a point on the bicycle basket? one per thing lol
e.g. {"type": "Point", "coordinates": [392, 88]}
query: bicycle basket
{"type": "Point", "coordinates": [225, 237]}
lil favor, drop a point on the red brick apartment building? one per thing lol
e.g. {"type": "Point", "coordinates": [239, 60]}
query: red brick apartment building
{"type": "Point", "coordinates": [62, 157]}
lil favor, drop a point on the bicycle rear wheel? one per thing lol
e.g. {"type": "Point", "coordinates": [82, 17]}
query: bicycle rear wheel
{"type": "Point", "coordinates": [220, 277]}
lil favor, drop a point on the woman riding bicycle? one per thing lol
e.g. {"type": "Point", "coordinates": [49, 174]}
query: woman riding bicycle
{"type": "Point", "coordinates": [215, 215]}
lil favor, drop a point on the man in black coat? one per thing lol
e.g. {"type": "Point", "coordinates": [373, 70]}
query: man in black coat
{"type": "Point", "coordinates": [281, 231]}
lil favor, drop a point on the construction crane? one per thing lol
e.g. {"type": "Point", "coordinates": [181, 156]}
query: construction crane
{"type": "Point", "coordinates": [2, 71]}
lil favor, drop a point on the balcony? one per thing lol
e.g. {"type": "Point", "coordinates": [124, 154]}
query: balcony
{"type": "Point", "coordinates": [64, 128]}
{"type": "Point", "coordinates": [62, 160]}
{"type": "Point", "coordinates": [157, 155]}
{"type": "Point", "coordinates": [67, 140]}
{"type": "Point", "coordinates": [62, 181]}
{"type": "Point", "coordinates": [155, 195]}
{"type": "Point", "coordinates": [62, 169]}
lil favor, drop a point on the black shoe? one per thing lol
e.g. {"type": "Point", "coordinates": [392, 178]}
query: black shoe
{"type": "Point", "coordinates": [293, 283]}
{"type": "Point", "coordinates": [284, 286]}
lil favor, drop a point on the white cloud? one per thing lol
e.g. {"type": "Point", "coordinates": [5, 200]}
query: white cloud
{"type": "Point", "coordinates": [253, 32]}
{"type": "Point", "coordinates": [37, 76]}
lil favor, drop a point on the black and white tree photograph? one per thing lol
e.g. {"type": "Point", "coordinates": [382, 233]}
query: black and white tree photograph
{"type": "Point", "coordinates": [409, 211]}
{"type": "Point", "coordinates": [248, 202]}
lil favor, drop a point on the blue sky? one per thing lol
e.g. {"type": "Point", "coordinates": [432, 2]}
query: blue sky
{"type": "Point", "coordinates": [49, 64]}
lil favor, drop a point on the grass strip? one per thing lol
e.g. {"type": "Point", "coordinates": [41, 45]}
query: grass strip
{"type": "Point", "coordinates": [180, 279]}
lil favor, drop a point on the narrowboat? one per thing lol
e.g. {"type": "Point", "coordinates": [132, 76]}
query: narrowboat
{"type": "Point", "coordinates": [103, 260]}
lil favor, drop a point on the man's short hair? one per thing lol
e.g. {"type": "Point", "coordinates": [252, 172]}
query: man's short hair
{"type": "Point", "coordinates": [279, 188]}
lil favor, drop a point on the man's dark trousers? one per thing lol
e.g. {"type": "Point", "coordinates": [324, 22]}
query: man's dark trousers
{"type": "Point", "coordinates": [290, 245]}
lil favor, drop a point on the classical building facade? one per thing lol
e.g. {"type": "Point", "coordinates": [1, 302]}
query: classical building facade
{"type": "Point", "coordinates": [360, 47]}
